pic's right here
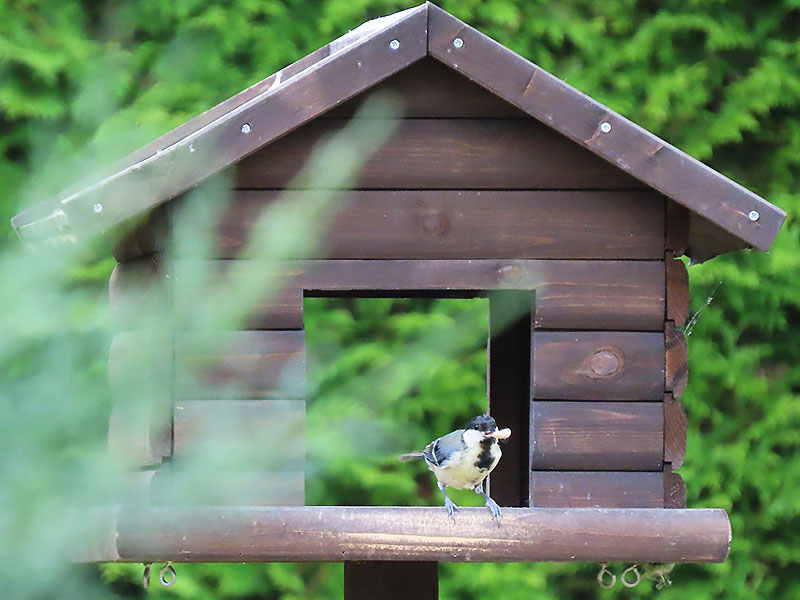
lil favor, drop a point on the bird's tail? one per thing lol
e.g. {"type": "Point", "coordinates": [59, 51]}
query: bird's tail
{"type": "Point", "coordinates": [410, 456]}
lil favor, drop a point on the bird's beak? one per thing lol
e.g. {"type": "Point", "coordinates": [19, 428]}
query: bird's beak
{"type": "Point", "coordinates": [501, 434]}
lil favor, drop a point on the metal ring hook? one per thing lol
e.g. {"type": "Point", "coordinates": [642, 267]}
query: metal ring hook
{"type": "Point", "coordinates": [146, 576]}
{"type": "Point", "coordinates": [635, 582]}
{"type": "Point", "coordinates": [603, 580]}
{"type": "Point", "coordinates": [163, 572]}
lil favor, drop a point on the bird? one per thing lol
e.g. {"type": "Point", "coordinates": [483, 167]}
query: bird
{"type": "Point", "coordinates": [463, 459]}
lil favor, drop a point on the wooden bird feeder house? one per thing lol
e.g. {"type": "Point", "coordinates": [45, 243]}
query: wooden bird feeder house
{"type": "Point", "coordinates": [499, 178]}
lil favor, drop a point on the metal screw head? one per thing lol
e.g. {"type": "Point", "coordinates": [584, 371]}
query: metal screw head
{"type": "Point", "coordinates": [605, 126]}
{"type": "Point", "coordinates": [458, 42]}
{"type": "Point", "coordinates": [246, 128]}
{"type": "Point", "coordinates": [97, 207]}
{"type": "Point", "coordinates": [753, 215]}
{"type": "Point", "coordinates": [394, 44]}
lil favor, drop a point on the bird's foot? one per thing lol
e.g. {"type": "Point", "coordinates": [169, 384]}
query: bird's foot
{"type": "Point", "coordinates": [451, 508]}
{"type": "Point", "coordinates": [494, 508]}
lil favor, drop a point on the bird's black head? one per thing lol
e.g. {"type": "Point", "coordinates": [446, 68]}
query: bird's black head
{"type": "Point", "coordinates": [482, 423]}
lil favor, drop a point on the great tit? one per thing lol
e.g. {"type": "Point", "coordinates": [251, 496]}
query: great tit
{"type": "Point", "coordinates": [463, 458]}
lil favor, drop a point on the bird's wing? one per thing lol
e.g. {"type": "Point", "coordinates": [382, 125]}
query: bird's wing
{"type": "Point", "coordinates": [440, 449]}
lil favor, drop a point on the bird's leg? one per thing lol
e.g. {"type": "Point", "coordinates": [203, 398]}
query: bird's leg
{"type": "Point", "coordinates": [491, 504]}
{"type": "Point", "coordinates": [448, 504]}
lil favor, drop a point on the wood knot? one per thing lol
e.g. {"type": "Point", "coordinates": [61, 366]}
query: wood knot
{"type": "Point", "coordinates": [604, 363]}
{"type": "Point", "coordinates": [510, 273]}
{"type": "Point", "coordinates": [435, 222]}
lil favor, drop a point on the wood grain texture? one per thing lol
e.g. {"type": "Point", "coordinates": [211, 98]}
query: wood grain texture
{"type": "Point", "coordinates": [202, 484]}
{"type": "Point", "coordinates": [677, 360]}
{"type": "Point", "coordinates": [677, 290]}
{"type": "Point", "coordinates": [140, 292]}
{"type": "Point", "coordinates": [596, 365]}
{"type": "Point", "coordinates": [240, 435]}
{"type": "Point", "coordinates": [674, 490]}
{"type": "Point", "coordinates": [427, 89]}
{"type": "Point", "coordinates": [391, 580]}
{"type": "Point", "coordinates": [328, 533]}
{"type": "Point", "coordinates": [436, 224]}
{"type": "Point", "coordinates": [140, 381]}
{"type": "Point", "coordinates": [446, 154]}
{"type": "Point", "coordinates": [675, 428]}
{"type": "Point", "coordinates": [583, 120]}
{"type": "Point", "coordinates": [240, 364]}
{"type": "Point", "coordinates": [677, 228]}
{"type": "Point", "coordinates": [597, 489]}
{"type": "Point", "coordinates": [597, 436]}
{"type": "Point", "coordinates": [573, 294]}
{"type": "Point", "coordinates": [508, 379]}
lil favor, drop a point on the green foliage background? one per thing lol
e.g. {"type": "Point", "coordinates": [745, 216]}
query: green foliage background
{"type": "Point", "coordinates": [82, 82]}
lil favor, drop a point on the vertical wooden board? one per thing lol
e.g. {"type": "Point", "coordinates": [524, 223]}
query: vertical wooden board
{"type": "Point", "coordinates": [240, 435]}
{"type": "Point", "coordinates": [391, 580]}
{"type": "Point", "coordinates": [243, 364]}
{"type": "Point", "coordinates": [594, 489]}
{"type": "Point", "coordinates": [597, 436]}
{"type": "Point", "coordinates": [676, 359]}
{"type": "Point", "coordinates": [675, 428]}
{"type": "Point", "coordinates": [677, 290]}
{"type": "Point", "coordinates": [674, 490]}
{"type": "Point", "coordinates": [677, 222]}
{"type": "Point", "coordinates": [140, 292]}
{"type": "Point", "coordinates": [140, 380]}
{"type": "Point", "coordinates": [508, 380]}
{"type": "Point", "coordinates": [597, 365]}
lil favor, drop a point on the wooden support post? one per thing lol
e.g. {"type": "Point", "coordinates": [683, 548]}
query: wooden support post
{"type": "Point", "coordinates": [387, 580]}
{"type": "Point", "coordinates": [509, 392]}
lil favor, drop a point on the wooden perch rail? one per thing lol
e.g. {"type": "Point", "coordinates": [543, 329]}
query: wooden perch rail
{"type": "Point", "coordinates": [330, 533]}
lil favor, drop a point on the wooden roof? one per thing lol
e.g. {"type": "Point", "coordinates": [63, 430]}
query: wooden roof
{"type": "Point", "coordinates": [723, 215]}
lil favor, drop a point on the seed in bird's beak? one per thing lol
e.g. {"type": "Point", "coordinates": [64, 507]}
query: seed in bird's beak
{"type": "Point", "coordinates": [502, 434]}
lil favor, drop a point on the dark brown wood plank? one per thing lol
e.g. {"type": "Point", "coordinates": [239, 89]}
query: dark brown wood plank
{"type": "Point", "coordinates": [445, 154]}
{"type": "Point", "coordinates": [144, 234]}
{"type": "Point", "coordinates": [140, 292]}
{"type": "Point", "coordinates": [677, 228]}
{"type": "Point", "coordinates": [674, 490]}
{"type": "Point", "coordinates": [439, 224]}
{"type": "Point", "coordinates": [202, 484]}
{"type": "Point", "coordinates": [596, 127]}
{"type": "Point", "coordinates": [597, 489]}
{"type": "Point", "coordinates": [509, 392]}
{"type": "Point", "coordinates": [140, 381]}
{"type": "Point", "coordinates": [677, 360]}
{"type": "Point", "coordinates": [240, 364]}
{"type": "Point", "coordinates": [330, 533]}
{"type": "Point", "coordinates": [427, 89]}
{"type": "Point", "coordinates": [283, 107]}
{"type": "Point", "coordinates": [391, 580]}
{"type": "Point", "coordinates": [675, 428]}
{"type": "Point", "coordinates": [677, 291]}
{"type": "Point", "coordinates": [573, 294]}
{"type": "Point", "coordinates": [598, 365]}
{"type": "Point", "coordinates": [240, 435]}
{"type": "Point", "coordinates": [597, 436]}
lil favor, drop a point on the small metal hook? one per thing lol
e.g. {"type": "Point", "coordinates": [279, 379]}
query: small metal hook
{"type": "Point", "coordinates": [635, 571]}
{"type": "Point", "coordinates": [602, 577]}
{"type": "Point", "coordinates": [162, 575]}
{"type": "Point", "coordinates": [146, 576]}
